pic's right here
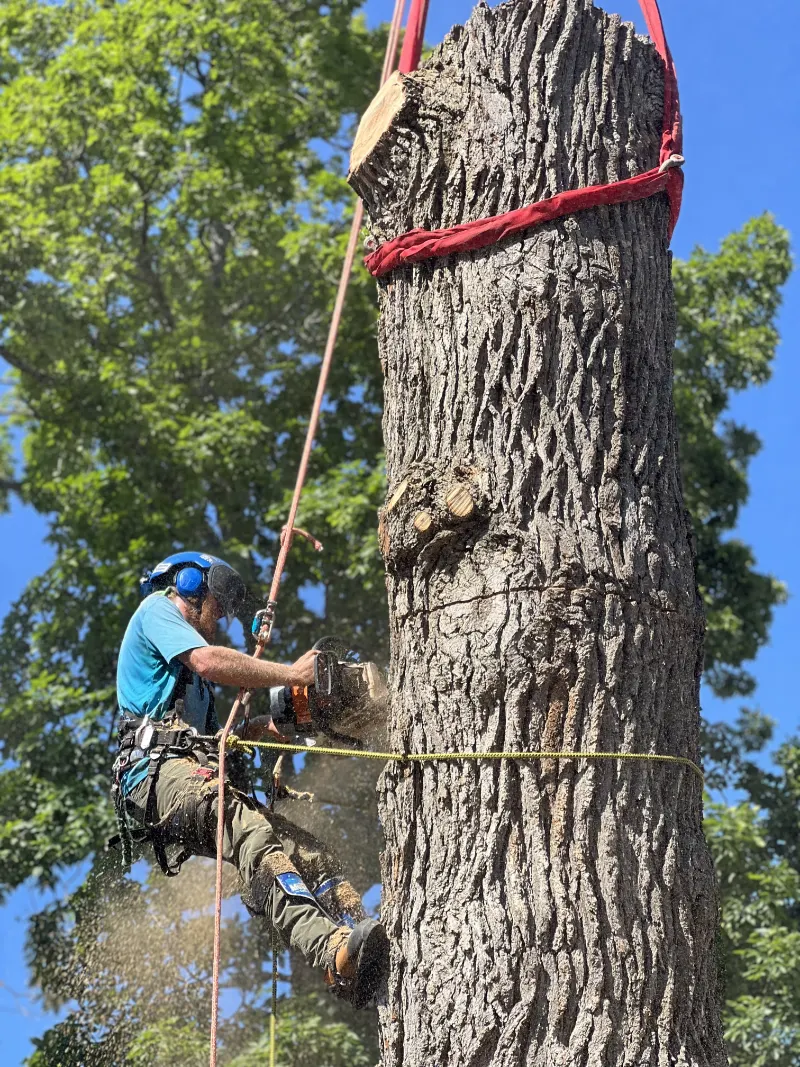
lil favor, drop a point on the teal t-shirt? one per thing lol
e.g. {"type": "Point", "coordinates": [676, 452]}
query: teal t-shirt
{"type": "Point", "coordinates": [148, 671]}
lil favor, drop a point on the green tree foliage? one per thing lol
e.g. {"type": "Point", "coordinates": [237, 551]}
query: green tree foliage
{"type": "Point", "coordinates": [172, 220]}
{"type": "Point", "coordinates": [760, 940]}
{"type": "Point", "coordinates": [303, 1039]}
{"type": "Point", "coordinates": [755, 848]}
{"type": "Point", "coordinates": [726, 339]}
{"type": "Point", "coordinates": [171, 225]}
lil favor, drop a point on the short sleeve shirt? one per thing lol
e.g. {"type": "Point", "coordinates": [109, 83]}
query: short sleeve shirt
{"type": "Point", "coordinates": [149, 669]}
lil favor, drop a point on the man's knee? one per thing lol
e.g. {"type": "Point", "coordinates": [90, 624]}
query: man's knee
{"type": "Point", "coordinates": [274, 867]}
{"type": "Point", "coordinates": [313, 859]}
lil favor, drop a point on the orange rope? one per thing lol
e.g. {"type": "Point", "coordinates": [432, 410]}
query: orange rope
{"type": "Point", "coordinates": [265, 634]}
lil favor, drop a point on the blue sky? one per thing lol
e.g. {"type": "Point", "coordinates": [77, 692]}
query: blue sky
{"type": "Point", "coordinates": [740, 95]}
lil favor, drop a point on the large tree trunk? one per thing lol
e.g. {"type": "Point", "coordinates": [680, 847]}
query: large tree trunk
{"type": "Point", "coordinates": [555, 913]}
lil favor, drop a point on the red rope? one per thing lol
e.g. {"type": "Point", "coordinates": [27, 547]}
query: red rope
{"type": "Point", "coordinates": [419, 245]}
{"type": "Point", "coordinates": [290, 529]}
{"type": "Point", "coordinates": [415, 33]}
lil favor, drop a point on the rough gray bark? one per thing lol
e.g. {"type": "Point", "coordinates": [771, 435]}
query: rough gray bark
{"type": "Point", "coordinates": [557, 913]}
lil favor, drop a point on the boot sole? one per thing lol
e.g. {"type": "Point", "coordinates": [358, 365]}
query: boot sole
{"type": "Point", "coordinates": [371, 948]}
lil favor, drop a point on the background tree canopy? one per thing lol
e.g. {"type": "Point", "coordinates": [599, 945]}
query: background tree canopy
{"type": "Point", "coordinates": [172, 220]}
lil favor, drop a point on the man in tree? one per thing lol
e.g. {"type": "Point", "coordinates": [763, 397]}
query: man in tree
{"type": "Point", "coordinates": [165, 776]}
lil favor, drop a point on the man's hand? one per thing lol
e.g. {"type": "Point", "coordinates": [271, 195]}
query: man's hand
{"type": "Point", "coordinates": [262, 728]}
{"type": "Point", "coordinates": [304, 668]}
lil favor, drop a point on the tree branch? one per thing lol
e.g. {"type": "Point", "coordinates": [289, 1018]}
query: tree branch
{"type": "Point", "coordinates": [25, 367]}
{"type": "Point", "coordinates": [148, 274]}
{"type": "Point", "coordinates": [8, 485]}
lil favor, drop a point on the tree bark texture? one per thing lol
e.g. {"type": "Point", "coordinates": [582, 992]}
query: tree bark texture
{"type": "Point", "coordinates": [540, 569]}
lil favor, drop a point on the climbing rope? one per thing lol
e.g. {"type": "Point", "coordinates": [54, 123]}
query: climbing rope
{"type": "Point", "coordinates": [669, 170]}
{"type": "Point", "coordinates": [287, 536]}
{"type": "Point", "coordinates": [273, 1015]}
{"type": "Point", "coordinates": [441, 757]}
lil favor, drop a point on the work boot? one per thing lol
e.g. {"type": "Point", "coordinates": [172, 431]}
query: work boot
{"type": "Point", "coordinates": [360, 962]}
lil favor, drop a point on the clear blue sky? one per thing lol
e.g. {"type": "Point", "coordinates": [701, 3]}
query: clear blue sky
{"type": "Point", "coordinates": [740, 88]}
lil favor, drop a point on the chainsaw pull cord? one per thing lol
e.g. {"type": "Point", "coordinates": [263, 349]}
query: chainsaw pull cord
{"type": "Point", "coordinates": [288, 533]}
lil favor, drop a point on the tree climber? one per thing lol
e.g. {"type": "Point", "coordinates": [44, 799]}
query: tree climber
{"type": "Point", "coordinates": [165, 774]}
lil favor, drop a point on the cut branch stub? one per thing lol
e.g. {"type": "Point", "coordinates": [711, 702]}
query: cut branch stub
{"type": "Point", "coordinates": [377, 119]}
{"type": "Point", "coordinates": [397, 495]}
{"type": "Point", "coordinates": [423, 521]}
{"type": "Point", "coordinates": [459, 501]}
{"type": "Point", "coordinates": [383, 533]}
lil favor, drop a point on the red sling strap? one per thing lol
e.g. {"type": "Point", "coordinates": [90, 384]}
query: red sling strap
{"type": "Point", "coordinates": [420, 244]}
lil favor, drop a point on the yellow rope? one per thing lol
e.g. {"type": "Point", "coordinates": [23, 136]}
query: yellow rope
{"type": "Point", "coordinates": [429, 757]}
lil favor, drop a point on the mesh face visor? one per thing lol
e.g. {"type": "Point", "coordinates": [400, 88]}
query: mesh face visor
{"type": "Point", "coordinates": [227, 587]}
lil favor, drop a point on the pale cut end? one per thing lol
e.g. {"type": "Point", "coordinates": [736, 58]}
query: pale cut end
{"type": "Point", "coordinates": [459, 502]}
{"type": "Point", "coordinates": [376, 683]}
{"type": "Point", "coordinates": [423, 520]}
{"type": "Point", "coordinates": [397, 495]}
{"type": "Point", "coordinates": [377, 119]}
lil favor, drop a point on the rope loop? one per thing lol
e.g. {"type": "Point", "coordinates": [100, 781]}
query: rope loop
{"type": "Point", "coordinates": [675, 160]}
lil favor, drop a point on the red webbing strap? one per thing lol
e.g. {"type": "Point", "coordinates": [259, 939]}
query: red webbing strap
{"type": "Point", "coordinates": [671, 140]}
{"type": "Point", "coordinates": [415, 32]}
{"type": "Point", "coordinates": [419, 245]}
{"type": "Point", "coordinates": [671, 135]}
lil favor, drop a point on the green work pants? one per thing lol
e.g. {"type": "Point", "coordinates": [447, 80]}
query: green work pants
{"type": "Point", "coordinates": [260, 844]}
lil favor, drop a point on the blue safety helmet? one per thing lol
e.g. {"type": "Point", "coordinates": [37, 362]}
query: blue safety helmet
{"type": "Point", "coordinates": [193, 574]}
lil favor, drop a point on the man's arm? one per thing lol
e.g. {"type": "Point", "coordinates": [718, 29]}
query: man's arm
{"type": "Point", "coordinates": [226, 666]}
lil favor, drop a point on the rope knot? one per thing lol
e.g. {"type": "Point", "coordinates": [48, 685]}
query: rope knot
{"type": "Point", "coordinates": [675, 160]}
{"type": "Point", "coordinates": [238, 743]}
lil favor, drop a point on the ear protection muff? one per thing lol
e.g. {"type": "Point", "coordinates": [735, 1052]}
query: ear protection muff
{"type": "Point", "coordinates": [190, 582]}
{"type": "Point", "coordinates": [193, 575]}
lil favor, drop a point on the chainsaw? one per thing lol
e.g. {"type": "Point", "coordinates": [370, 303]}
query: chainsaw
{"type": "Point", "coordinates": [346, 699]}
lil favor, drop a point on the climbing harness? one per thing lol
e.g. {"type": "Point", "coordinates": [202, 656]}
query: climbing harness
{"type": "Point", "coordinates": [157, 740]}
{"type": "Point", "coordinates": [409, 248]}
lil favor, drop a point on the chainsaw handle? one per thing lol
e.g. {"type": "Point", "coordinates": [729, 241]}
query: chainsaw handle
{"type": "Point", "coordinates": [326, 665]}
